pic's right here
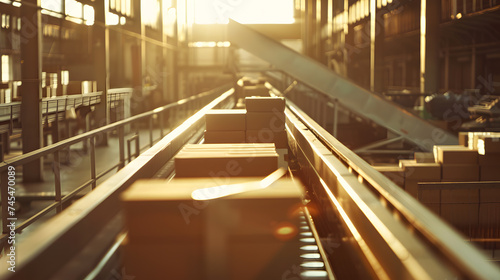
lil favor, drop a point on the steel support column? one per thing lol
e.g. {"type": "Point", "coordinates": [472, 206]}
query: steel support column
{"type": "Point", "coordinates": [31, 89]}
{"type": "Point", "coordinates": [376, 48]}
{"type": "Point", "coordinates": [429, 46]}
{"type": "Point", "coordinates": [100, 45]}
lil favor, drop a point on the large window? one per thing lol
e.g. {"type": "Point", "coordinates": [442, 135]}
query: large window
{"type": "Point", "coordinates": [150, 10]}
{"type": "Point", "coordinates": [6, 73]}
{"type": "Point", "coordinates": [73, 10]}
{"type": "Point", "coordinates": [252, 12]}
{"type": "Point", "coordinates": [121, 7]}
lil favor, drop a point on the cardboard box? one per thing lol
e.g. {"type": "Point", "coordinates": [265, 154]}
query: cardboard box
{"type": "Point", "coordinates": [411, 187]}
{"type": "Point", "coordinates": [460, 172]}
{"type": "Point", "coordinates": [147, 259]}
{"type": "Point", "coordinates": [421, 171]}
{"type": "Point", "coordinates": [279, 138]}
{"type": "Point", "coordinates": [463, 139]}
{"type": "Point", "coordinates": [274, 121]}
{"type": "Point", "coordinates": [461, 216]}
{"type": "Point", "coordinates": [214, 238]}
{"type": "Point", "coordinates": [474, 136]}
{"type": "Point", "coordinates": [257, 90]}
{"type": "Point", "coordinates": [245, 259]}
{"type": "Point", "coordinates": [394, 173]}
{"type": "Point", "coordinates": [403, 162]}
{"type": "Point", "coordinates": [178, 215]}
{"type": "Point", "coordinates": [424, 157]}
{"type": "Point", "coordinates": [221, 160]}
{"type": "Point", "coordinates": [489, 173]}
{"type": "Point", "coordinates": [489, 159]}
{"type": "Point", "coordinates": [222, 119]}
{"type": "Point", "coordinates": [488, 145]}
{"type": "Point", "coordinates": [265, 104]}
{"type": "Point", "coordinates": [212, 137]}
{"type": "Point", "coordinates": [454, 154]}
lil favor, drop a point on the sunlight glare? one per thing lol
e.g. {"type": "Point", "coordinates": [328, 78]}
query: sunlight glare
{"type": "Point", "coordinates": [246, 12]}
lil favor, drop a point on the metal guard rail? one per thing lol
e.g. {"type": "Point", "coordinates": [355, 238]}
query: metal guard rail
{"type": "Point", "coordinates": [467, 261]}
{"type": "Point", "coordinates": [69, 245]}
{"type": "Point", "coordinates": [65, 144]}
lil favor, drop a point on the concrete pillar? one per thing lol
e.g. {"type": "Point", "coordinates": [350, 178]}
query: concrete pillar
{"type": "Point", "coordinates": [429, 46]}
{"type": "Point", "coordinates": [100, 45]}
{"type": "Point", "coordinates": [31, 89]}
{"type": "Point", "coordinates": [376, 48]}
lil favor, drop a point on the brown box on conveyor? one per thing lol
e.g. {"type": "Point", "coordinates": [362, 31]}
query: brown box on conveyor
{"type": "Point", "coordinates": [463, 139]}
{"type": "Point", "coordinates": [421, 171]}
{"type": "Point", "coordinates": [229, 136]}
{"type": "Point", "coordinates": [454, 154]}
{"type": "Point", "coordinates": [279, 138]}
{"type": "Point", "coordinates": [177, 237]}
{"type": "Point", "coordinates": [489, 159]}
{"type": "Point", "coordinates": [460, 172]}
{"type": "Point", "coordinates": [265, 104]}
{"type": "Point", "coordinates": [221, 160]}
{"type": "Point", "coordinates": [274, 121]}
{"type": "Point", "coordinates": [411, 186]}
{"type": "Point", "coordinates": [257, 90]}
{"type": "Point", "coordinates": [222, 119]}
{"type": "Point", "coordinates": [394, 173]}
{"type": "Point", "coordinates": [424, 157]}
{"type": "Point", "coordinates": [488, 145]}
{"type": "Point", "coordinates": [475, 136]}
{"type": "Point", "coordinates": [489, 172]}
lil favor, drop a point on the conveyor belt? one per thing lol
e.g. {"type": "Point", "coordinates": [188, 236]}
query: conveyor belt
{"type": "Point", "coordinates": [351, 96]}
{"type": "Point", "coordinates": [366, 226]}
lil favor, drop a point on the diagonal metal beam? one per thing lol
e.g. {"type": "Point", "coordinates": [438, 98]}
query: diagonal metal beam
{"type": "Point", "coordinates": [351, 96]}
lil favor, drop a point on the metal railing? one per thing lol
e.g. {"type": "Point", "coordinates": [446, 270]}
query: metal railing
{"type": "Point", "coordinates": [11, 111]}
{"type": "Point", "coordinates": [185, 107]}
{"type": "Point", "coordinates": [87, 230]}
{"type": "Point", "coordinates": [369, 199]}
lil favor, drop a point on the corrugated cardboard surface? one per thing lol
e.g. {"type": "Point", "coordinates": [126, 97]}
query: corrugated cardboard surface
{"type": "Point", "coordinates": [421, 171]}
{"type": "Point", "coordinates": [279, 138]}
{"type": "Point", "coordinates": [489, 173]}
{"type": "Point", "coordinates": [172, 236]}
{"type": "Point", "coordinates": [488, 145]}
{"type": "Point", "coordinates": [424, 158]}
{"type": "Point", "coordinates": [232, 136]}
{"type": "Point", "coordinates": [454, 154]}
{"type": "Point", "coordinates": [274, 121]}
{"type": "Point", "coordinates": [265, 104]}
{"type": "Point", "coordinates": [222, 119]}
{"type": "Point", "coordinates": [226, 160]}
{"type": "Point", "coordinates": [460, 172]}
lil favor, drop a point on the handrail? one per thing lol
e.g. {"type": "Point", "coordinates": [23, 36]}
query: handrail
{"type": "Point", "coordinates": [87, 136]}
{"type": "Point", "coordinates": [70, 244]}
{"type": "Point", "coordinates": [446, 241]}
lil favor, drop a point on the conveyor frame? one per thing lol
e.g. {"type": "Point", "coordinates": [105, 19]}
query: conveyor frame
{"type": "Point", "coordinates": [395, 236]}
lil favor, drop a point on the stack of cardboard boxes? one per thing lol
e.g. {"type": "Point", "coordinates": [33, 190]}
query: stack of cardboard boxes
{"type": "Point", "coordinates": [459, 164]}
{"type": "Point", "coordinates": [252, 235]}
{"type": "Point", "coordinates": [265, 121]}
{"type": "Point", "coordinates": [477, 158]}
{"type": "Point", "coordinates": [415, 172]}
{"type": "Point", "coordinates": [225, 126]}
{"type": "Point", "coordinates": [488, 147]}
